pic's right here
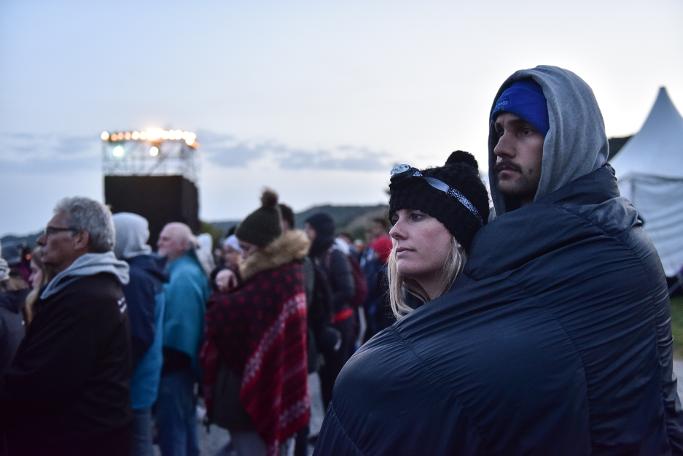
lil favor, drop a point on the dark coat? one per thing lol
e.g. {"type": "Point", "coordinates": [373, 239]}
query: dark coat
{"type": "Point", "coordinates": [145, 299]}
{"type": "Point", "coordinates": [11, 325]}
{"type": "Point", "coordinates": [338, 272]}
{"type": "Point", "coordinates": [67, 391]}
{"type": "Point", "coordinates": [146, 281]}
{"type": "Point", "coordinates": [555, 340]}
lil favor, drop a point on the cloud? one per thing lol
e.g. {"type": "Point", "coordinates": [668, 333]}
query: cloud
{"type": "Point", "coordinates": [49, 153]}
{"type": "Point", "coordinates": [41, 153]}
{"type": "Point", "coordinates": [230, 152]}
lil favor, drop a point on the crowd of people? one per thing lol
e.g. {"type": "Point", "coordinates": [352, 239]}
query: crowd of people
{"type": "Point", "coordinates": [540, 325]}
{"type": "Point", "coordinates": [245, 330]}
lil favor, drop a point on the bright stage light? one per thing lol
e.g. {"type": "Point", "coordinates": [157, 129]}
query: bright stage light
{"type": "Point", "coordinates": [190, 138]}
{"type": "Point", "coordinates": [118, 151]}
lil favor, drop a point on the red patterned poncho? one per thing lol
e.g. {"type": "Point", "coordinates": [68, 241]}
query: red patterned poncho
{"type": "Point", "coordinates": [259, 332]}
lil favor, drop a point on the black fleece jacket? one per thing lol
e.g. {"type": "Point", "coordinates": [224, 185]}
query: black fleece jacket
{"type": "Point", "coordinates": [68, 387]}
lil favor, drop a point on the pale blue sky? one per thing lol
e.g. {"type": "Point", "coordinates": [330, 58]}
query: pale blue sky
{"type": "Point", "coordinates": [272, 86]}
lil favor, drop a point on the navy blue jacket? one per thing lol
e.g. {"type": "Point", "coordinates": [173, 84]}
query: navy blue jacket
{"type": "Point", "coordinates": [555, 340]}
{"type": "Point", "coordinates": [145, 297]}
{"type": "Point", "coordinates": [146, 282]}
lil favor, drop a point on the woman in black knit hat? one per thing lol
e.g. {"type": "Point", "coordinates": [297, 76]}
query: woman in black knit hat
{"type": "Point", "coordinates": [255, 353]}
{"type": "Point", "coordinates": [388, 399]}
{"type": "Point", "coordinates": [435, 214]}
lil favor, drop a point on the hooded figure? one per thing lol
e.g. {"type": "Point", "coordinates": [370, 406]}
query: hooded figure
{"type": "Point", "coordinates": [254, 358]}
{"type": "Point", "coordinates": [145, 296]}
{"type": "Point", "coordinates": [555, 339]}
{"type": "Point", "coordinates": [334, 268]}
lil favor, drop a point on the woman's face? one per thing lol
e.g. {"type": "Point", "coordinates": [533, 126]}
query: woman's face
{"type": "Point", "coordinates": [247, 248]}
{"type": "Point", "coordinates": [231, 256]}
{"type": "Point", "coordinates": [422, 245]}
{"type": "Point", "coordinates": [36, 275]}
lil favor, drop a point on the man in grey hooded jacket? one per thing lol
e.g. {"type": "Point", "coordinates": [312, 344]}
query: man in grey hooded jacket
{"type": "Point", "coordinates": [67, 390]}
{"type": "Point", "coordinates": [556, 337]}
{"type": "Point", "coordinates": [547, 134]}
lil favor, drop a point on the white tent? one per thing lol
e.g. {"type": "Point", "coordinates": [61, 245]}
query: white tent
{"type": "Point", "coordinates": [650, 172]}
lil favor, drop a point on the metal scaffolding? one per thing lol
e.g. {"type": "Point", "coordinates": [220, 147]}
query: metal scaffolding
{"type": "Point", "coordinates": [152, 152]}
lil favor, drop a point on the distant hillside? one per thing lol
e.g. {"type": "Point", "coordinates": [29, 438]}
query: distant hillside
{"type": "Point", "coordinates": [343, 216]}
{"type": "Point", "coordinates": [28, 240]}
{"type": "Point", "coordinates": [353, 219]}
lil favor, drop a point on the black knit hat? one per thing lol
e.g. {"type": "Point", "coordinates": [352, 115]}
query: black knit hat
{"type": "Point", "coordinates": [262, 226]}
{"type": "Point", "coordinates": [462, 204]}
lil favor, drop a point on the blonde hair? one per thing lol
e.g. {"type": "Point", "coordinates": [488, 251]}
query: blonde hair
{"type": "Point", "coordinates": [399, 286]}
{"type": "Point", "coordinates": [34, 294]}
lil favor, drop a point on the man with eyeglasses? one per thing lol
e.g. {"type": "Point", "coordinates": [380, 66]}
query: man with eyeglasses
{"type": "Point", "coordinates": [67, 391]}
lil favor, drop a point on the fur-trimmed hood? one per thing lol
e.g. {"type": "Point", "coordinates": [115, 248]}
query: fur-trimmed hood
{"type": "Point", "coordinates": [289, 246]}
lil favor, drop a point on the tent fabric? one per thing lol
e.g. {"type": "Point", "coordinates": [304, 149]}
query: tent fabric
{"type": "Point", "coordinates": [650, 172]}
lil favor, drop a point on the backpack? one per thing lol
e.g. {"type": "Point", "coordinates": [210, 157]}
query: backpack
{"type": "Point", "coordinates": [360, 283]}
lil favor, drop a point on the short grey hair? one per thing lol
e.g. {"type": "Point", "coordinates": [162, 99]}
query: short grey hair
{"type": "Point", "coordinates": [85, 214]}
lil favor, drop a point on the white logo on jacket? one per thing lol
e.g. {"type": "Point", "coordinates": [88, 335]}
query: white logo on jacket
{"type": "Point", "coordinates": [122, 304]}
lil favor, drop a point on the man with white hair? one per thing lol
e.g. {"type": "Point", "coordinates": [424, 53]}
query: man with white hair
{"type": "Point", "coordinates": [67, 390]}
{"type": "Point", "coordinates": [186, 294]}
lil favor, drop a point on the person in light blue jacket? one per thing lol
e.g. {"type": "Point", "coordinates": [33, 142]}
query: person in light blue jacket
{"type": "Point", "coordinates": [186, 294]}
{"type": "Point", "coordinates": [145, 297]}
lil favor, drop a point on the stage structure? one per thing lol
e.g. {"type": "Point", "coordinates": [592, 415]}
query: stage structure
{"type": "Point", "coordinates": [152, 173]}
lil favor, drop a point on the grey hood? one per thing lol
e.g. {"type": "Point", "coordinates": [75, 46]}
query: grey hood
{"type": "Point", "coordinates": [87, 265]}
{"type": "Point", "coordinates": [576, 143]}
{"type": "Point", "coordinates": [132, 235]}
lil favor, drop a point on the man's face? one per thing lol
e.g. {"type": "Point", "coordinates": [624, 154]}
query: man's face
{"type": "Point", "coordinates": [60, 244]}
{"type": "Point", "coordinates": [170, 243]}
{"type": "Point", "coordinates": [518, 157]}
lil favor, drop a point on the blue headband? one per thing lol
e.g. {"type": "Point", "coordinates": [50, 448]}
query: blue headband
{"type": "Point", "coordinates": [525, 99]}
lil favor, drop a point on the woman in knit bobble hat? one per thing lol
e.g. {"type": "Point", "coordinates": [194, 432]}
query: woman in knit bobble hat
{"type": "Point", "coordinates": [262, 226]}
{"type": "Point", "coordinates": [435, 214]}
{"type": "Point", "coordinates": [389, 398]}
{"type": "Point", "coordinates": [255, 354]}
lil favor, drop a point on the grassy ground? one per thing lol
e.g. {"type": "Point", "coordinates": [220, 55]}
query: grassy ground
{"type": "Point", "coordinates": [677, 325]}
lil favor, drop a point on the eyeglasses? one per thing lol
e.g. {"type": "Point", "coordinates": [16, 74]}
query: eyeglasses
{"type": "Point", "coordinates": [403, 171]}
{"type": "Point", "coordinates": [57, 229]}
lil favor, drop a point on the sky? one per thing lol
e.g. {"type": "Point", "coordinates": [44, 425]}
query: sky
{"type": "Point", "coordinates": [314, 99]}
